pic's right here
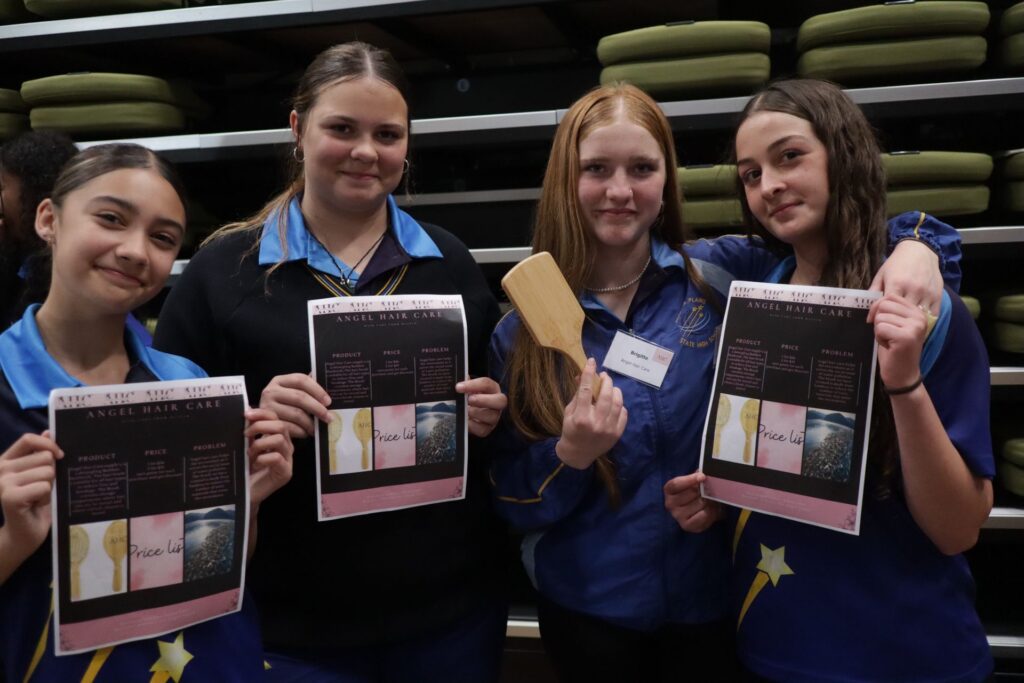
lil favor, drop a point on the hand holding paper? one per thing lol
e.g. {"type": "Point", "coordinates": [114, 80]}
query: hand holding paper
{"type": "Point", "coordinates": [298, 400]}
{"type": "Point", "coordinates": [26, 477]}
{"type": "Point", "coordinates": [693, 512]}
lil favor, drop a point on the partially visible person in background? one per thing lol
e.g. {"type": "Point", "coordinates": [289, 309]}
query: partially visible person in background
{"type": "Point", "coordinates": [29, 165]}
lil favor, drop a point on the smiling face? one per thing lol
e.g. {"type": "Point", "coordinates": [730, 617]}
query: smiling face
{"type": "Point", "coordinates": [354, 141]}
{"type": "Point", "coordinates": [784, 170]}
{"type": "Point", "coordinates": [114, 240]}
{"type": "Point", "coordinates": [621, 183]}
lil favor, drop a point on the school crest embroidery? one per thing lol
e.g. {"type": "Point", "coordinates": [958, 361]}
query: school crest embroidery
{"type": "Point", "coordinates": [697, 323]}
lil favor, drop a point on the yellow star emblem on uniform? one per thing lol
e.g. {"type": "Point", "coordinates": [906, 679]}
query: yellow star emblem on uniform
{"type": "Point", "coordinates": [773, 563]}
{"type": "Point", "coordinates": [173, 659]}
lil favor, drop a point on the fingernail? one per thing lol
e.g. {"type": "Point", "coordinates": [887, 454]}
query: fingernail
{"type": "Point", "coordinates": [459, 386]}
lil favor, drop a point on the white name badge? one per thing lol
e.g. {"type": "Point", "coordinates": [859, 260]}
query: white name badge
{"type": "Point", "coordinates": [634, 357]}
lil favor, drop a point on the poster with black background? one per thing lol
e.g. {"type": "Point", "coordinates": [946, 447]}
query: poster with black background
{"type": "Point", "coordinates": [150, 508]}
{"type": "Point", "coordinates": [397, 437]}
{"type": "Point", "coordinates": [787, 427]}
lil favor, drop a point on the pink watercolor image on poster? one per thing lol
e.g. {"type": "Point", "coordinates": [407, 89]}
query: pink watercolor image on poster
{"type": "Point", "coordinates": [780, 443]}
{"type": "Point", "coordinates": [394, 436]}
{"type": "Point", "coordinates": [156, 547]}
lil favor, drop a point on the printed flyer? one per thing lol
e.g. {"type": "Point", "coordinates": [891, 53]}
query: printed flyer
{"type": "Point", "coordinates": [787, 427]}
{"type": "Point", "coordinates": [397, 437]}
{"type": "Point", "coordinates": [150, 508]}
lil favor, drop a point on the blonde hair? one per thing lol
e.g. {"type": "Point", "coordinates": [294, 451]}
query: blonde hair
{"type": "Point", "coordinates": [540, 383]}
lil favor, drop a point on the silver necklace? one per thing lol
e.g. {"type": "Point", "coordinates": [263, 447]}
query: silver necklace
{"type": "Point", "coordinates": [619, 288]}
{"type": "Point", "coordinates": [347, 279]}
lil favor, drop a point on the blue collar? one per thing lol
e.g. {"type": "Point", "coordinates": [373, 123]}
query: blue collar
{"type": "Point", "coordinates": [783, 271]}
{"type": "Point", "coordinates": [301, 245]}
{"type": "Point", "coordinates": [32, 372]}
{"type": "Point", "coordinates": [662, 254]}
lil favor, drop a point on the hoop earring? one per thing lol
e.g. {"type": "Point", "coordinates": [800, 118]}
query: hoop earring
{"type": "Point", "coordinates": [405, 171]}
{"type": "Point", "coordinates": [297, 154]}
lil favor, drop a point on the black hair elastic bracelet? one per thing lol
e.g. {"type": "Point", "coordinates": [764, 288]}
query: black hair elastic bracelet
{"type": "Point", "coordinates": [903, 390]}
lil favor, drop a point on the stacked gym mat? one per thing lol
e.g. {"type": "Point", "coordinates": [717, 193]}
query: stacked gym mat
{"type": "Point", "coordinates": [60, 9]}
{"type": "Point", "coordinates": [972, 304]}
{"type": "Point", "coordinates": [1013, 177]}
{"type": "Point", "coordinates": [1011, 467]}
{"type": "Point", "coordinates": [894, 41]}
{"type": "Point", "coordinates": [709, 196]}
{"type": "Point", "coordinates": [13, 114]}
{"type": "Point", "coordinates": [689, 58]}
{"type": "Point", "coordinates": [939, 183]}
{"type": "Point", "coordinates": [1008, 329]}
{"type": "Point", "coordinates": [1011, 28]}
{"type": "Point", "coordinates": [13, 11]}
{"type": "Point", "coordinates": [109, 103]}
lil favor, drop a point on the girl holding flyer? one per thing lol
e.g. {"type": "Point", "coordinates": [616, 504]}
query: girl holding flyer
{"type": "Point", "coordinates": [114, 224]}
{"type": "Point", "coordinates": [418, 589]}
{"type": "Point", "coordinates": [896, 602]}
{"type": "Point", "coordinates": [624, 594]}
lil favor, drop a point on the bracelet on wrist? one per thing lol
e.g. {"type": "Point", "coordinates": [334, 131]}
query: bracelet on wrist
{"type": "Point", "coordinates": [903, 390]}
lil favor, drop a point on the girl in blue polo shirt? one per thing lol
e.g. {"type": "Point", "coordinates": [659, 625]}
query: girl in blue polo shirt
{"type": "Point", "coordinates": [114, 224]}
{"type": "Point", "coordinates": [895, 603]}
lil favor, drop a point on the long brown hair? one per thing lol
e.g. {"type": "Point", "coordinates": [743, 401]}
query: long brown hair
{"type": "Point", "coordinates": [540, 383]}
{"type": "Point", "coordinates": [337, 64]}
{"type": "Point", "coordinates": [855, 220]}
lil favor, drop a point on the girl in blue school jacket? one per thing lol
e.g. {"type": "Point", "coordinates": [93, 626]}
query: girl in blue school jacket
{"type": "Point", "coordinates": [114, 225]}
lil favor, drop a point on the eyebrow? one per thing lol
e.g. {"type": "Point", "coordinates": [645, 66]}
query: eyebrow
{"type": "Point", "coordinates": [632, 159]}
{"type": "Point", "coordinates": [334, 118]}
{"type": "Point", "coordinates": [775, 145]}
{"type": "Point", "coordinates": [132, 208]}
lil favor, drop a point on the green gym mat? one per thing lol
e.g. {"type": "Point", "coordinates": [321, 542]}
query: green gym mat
{"type": "Point", "coordinates": [1013, 166]}
{"type": "Point", "coordinates": [684, 39]}
{"type": "Point", "coordinates": [56, 9]}
{"type": "Point", "coordinates": [1012, 478]}
{"type": "Point", "coordinates": [12, 124]}
{"type": "Point", "coordinates": [1009, 336]}
{"type": "Point", "coordinates": [1010, 308]}
{"type": "Point", "coordinates": [706, 181]}
{"type": "Point", "coordinates": [13, 11]}
{"type": "Point", "coordinates": [737, 73]}
{"type": "Point", "coordinates": [1013, 451]}
{"type": "Point", "coordinates": [972, 304]}
{"type": "Point", "coordinates": [927, 168]}
{"type": "Point", "coordinates": [704, 213]}
{"type": "Point", "coordinates": [939, 200]}
{"type": "Point", "coordinates": [10, 101]}
{"type": "Point", "coordinates": [113, 117]}
{"type": "Point", "coordinates": [1013, 195]}
{"type": "Point", "coordinates": [881, 22]}
{"type": "Point", "coordinates": [1011, 51]}
{"type": "Point", "coordinates": [1012, 20]}
{"type": "Point", "coordinates": [98, 87]}
{"type": "Point", "coordinates": [846, 63]}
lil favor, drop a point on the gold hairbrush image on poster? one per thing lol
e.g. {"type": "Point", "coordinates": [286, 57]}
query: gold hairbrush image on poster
{"type": "Point", "coordinates": [78, 549]}
{"type": "Point", "coordinates": [334, 430]}
{"type": "Point", "coordinates": [362, 424]}
{"type": "Point", "coordinates": [721, 419]}
{"type": "Point", "coordinates": [748, 420]}
{"type": "Point", "coordinates": [115, 543]}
